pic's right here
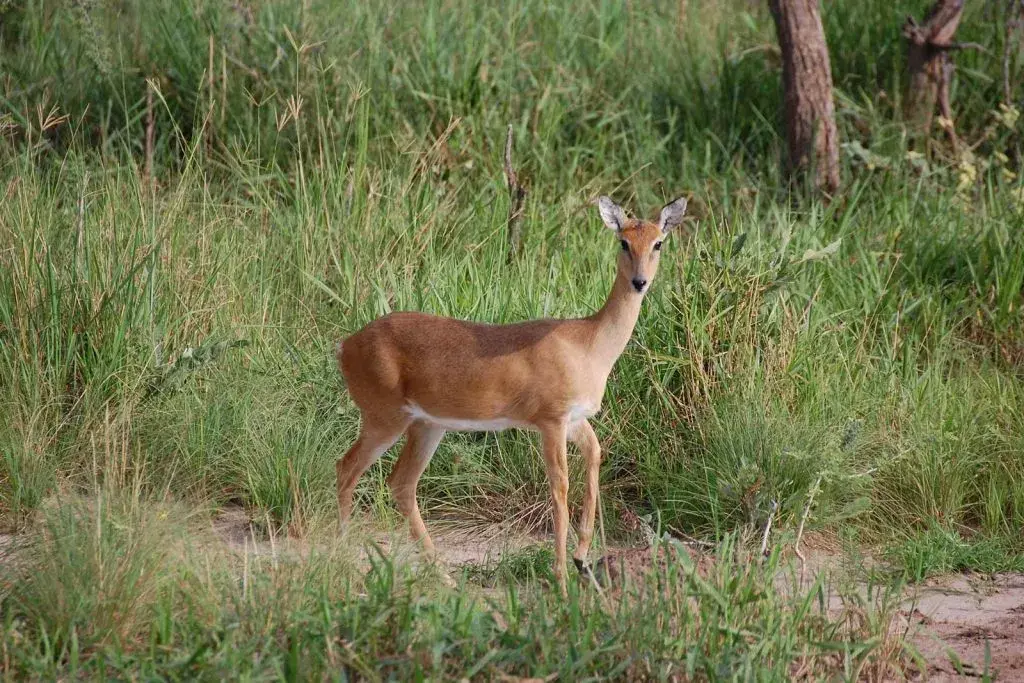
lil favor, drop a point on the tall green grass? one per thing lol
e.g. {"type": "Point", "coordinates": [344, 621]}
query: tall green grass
{"type": "Point", "coordinates": [194, 311]}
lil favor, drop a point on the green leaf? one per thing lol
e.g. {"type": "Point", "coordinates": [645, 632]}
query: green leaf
{"type": "Point", "coordinates": [817, 255]}
{"type": "Point", "coordinates": [737, 245]}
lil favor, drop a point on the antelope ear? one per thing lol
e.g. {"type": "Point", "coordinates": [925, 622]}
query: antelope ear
{"type": "Point", "coordinates": [611, 213]}
{"type": "Point", "coordinates": [672, 214]}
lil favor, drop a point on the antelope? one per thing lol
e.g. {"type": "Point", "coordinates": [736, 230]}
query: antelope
{"type": "Point", "coordinates": [422, 375]}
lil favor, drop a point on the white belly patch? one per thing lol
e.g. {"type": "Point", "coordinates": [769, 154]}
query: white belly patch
{"type": "Point", "coordinates": [579, 411]}
{"type": "Point", "coordinates": [460, 425]}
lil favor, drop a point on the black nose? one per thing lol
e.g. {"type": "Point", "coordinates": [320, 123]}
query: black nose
{"type": "Point", "coordinates": [639, 284]}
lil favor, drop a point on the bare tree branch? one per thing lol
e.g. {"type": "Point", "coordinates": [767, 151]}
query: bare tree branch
{"type": "Point", "coordinates": [930, 66]}
{"type": "Point", "coordinates": [942, 21]}
{"type": "Point", "coordinates": [517, 197]}
{"type": "Point", "coordinates": [952, 47]}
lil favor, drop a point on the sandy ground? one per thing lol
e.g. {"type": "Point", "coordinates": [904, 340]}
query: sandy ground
{"type": "Point", "coordinates": [955, 617]}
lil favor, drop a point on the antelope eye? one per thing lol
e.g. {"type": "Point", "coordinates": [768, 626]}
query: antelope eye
{"type": "Point", "coordinates": [625, 245]}
{"type": "Point", "coordinates": [657, 246]}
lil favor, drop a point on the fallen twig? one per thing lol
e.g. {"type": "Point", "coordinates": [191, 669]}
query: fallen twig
{"type": "Point", "coordinates": [686, 539]}
{"type": "Point", "coordinates": [768, 528]}
{"type": "Point", "coordinates": [800, 530]}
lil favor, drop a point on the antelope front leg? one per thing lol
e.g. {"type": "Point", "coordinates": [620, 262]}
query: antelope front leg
{"type": "Point", "coordinates": [553, 437]}
{"type": "Point", "coordinates": [583, 436]}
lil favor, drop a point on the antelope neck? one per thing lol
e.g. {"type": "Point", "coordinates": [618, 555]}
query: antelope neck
{"type": "Point", "coordinates": [614, 323]}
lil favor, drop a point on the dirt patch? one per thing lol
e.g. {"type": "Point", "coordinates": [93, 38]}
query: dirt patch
{"type": "Point", "coordinates": [462, 547]}
{"type": "Point", "coordinates": [954, 619]}
{"type": "Point", "coordinates": [456, 547]}
{"type": "Point", "coordinates": [6, 542]}
{"type": "Point", "coordinates": [234, 529]}
{"type": "Point", "coordinates": [629, 566]}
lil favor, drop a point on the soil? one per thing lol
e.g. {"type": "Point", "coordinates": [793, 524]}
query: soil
{"type": "Point", "coordinates": [954, 619]}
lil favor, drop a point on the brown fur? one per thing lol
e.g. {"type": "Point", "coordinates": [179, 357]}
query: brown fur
{"type": "Point", "coordinates": [419, 374]}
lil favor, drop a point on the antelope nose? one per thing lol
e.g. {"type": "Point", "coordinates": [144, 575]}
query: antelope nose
{"type": "Point", "coordinates": [639, 284]}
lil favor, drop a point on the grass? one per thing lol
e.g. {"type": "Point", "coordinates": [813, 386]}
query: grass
{"type": "Point", "coordinates": [168, 311]}
{"type": "Point", "coordinates": [940, 551]}
{"type": "Point", "coordinates": [108, 590]}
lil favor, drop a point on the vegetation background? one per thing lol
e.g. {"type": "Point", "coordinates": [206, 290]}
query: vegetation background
{"type": "Point", "coordinates": [199, 197]}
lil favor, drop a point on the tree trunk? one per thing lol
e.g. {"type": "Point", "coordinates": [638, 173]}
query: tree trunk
{"type": "Point", "coordinates": [931, 70]}
{"type": "Point", "coordinates": [811, 134]}
{"type": "Point", "coordinates": [1011, 44]}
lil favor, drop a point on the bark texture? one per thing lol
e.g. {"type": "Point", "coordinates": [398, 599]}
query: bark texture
{"type": "Point", "coordinates": [811, 136]}
{"type": "Point", "coordinates": [931, 69]}
{"type": "Point", "coordinates": [1011, 44]}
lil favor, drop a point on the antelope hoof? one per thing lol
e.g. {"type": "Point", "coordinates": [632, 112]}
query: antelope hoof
{"type": "Point", "coordinates": [587, 575]}
{"type": "Point", "coordinates": [603, 573]}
